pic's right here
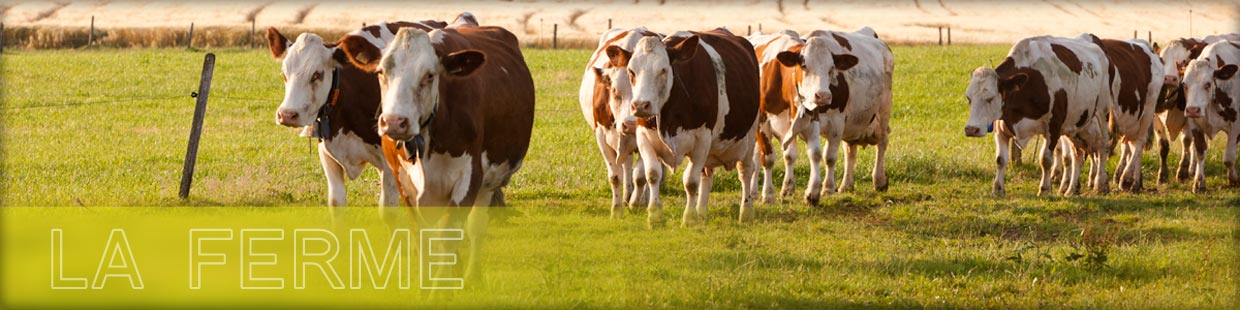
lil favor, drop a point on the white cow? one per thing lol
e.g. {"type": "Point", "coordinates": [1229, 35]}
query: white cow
{"type": "Point", "coordinates": [846, 82]}
{"type": "Point", "coordinates": [1046, 86]}
{"type": "Point", "coordinates": [1211, 89]}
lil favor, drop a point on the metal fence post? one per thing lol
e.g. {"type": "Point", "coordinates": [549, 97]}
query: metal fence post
{"type": "Point", "coordinates": [200, 110]}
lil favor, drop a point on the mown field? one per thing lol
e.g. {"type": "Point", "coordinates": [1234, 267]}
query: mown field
{"type": "Point", "coordinates": [94, 128]}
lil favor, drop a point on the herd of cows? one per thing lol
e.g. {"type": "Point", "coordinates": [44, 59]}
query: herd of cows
{"type": "Point", "coordinates": [446, 110]}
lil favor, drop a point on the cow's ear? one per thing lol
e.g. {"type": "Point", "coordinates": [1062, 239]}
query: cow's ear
{"type": "Point", "coordinates": [1225, 72]}
{"type": "Point", "coordinates": [844, 61]}
{"type": "Point", "coordinates": [1014, 82]}
{"type": "Point", "coordinates": [277, 42]}
{"type": "Point", "coordinates": [1157, 49]}
{"type": "Point", "coordinates": [464, 62]}
{"type": "Point", "coordinates": [598, 73]}
{"type": "Point", "coordinates": [683, 50]}
{"type": "Point", "coordinates": [618, 57]}
{"type": "Point", "coordinates": [338, 54]}
{"type": "Point", "coordinates": [360, 52]}
{"type": "Point", "coordinates": [789, 59]}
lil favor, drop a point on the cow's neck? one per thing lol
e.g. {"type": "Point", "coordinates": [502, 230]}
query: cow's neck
{"type": "Point", "coordinates": [356, 106]}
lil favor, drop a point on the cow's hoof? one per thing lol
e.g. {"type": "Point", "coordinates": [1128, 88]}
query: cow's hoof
{"type": "Point", "coordinates": [1199, 187]}
{"type": "Point", "coordinates": [1162, 177]}
{"type": "Point", "coordinates": [769, 199]}
{"type": "Point", "coordinates": [747, 215]}
{"type": "Point", "coordinates": [617, 213]}
{"type": "Point", "coordinates": [787, 191]}
{"type": "Point", "coordinates": [881, 187]}
{"type": "Point", "coordinates": [811, 200]}
{"type": "Point", "coordinates": [1181, 176]}
{"type": "Point", "coordinates": [1044, 191]}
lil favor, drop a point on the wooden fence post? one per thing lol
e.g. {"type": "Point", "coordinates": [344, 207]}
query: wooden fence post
{"type": "Point", "coordinates": [200, 110]}
{"type": "Point", "coordinates": [252, 29]}
{"type": "Point", "coordinates": [608, 24]}
{"type": "Point", "coordinates": [1, 37]}
{"type": "Point", "coordinates": [189, 44]}
{"type": "Point", "coordinates": [749, 28]}
{"type": "Point", "coordinates": [940, 35]}
{"type": "Point", "coordinates": [949, 35]}
{"type": "Point", "coordinates": [555, 40]}
{"type": "Point", "coordinates": [1134, 34]}
{"type": "Point", "coordinates": [1149, 36]}
{"type": "Point", "coordinates": [90, 38]}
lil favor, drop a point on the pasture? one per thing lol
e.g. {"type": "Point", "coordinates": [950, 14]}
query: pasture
{"type": "Point", "coordinates": [102, 127]}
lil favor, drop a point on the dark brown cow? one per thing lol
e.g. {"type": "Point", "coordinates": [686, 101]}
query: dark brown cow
{"type": "Point", "coordinates": [1136, 78]}
{"type": "Point", "coordinates": [461, 101]}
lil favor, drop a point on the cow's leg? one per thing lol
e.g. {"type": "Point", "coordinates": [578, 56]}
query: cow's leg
{"type": "Point", "coordinates": [745, 170]}
{"type": "Point", "coordinates": [765, 154]}
{"type": "Point", "coordinates": [1121, 167]}
{"type": "Point", "coordinates": [834, 133]}
{"type": "Point", "coordinates": [626, 178]}
{"type": "Point", "coordinates": [692, 180]}
{"type": "Point", "coordinates": [703, 202]}
{"type": "Point", "coordinates": [814, 149]}
{"type": "Point", "coordinates": [880, 168]}
{"type": "Point", "coordinates": [1187, 163]}
{"type": "Point", "coordinates": [389, 197]}
{"type": "Point", "coordinates": [1133, 179]}
{"type": "Point", "coordinates": [1002, 144]}
{"type": "Point", "coordinates": [654, 178]}
{"type": "Point", "coordinates": [1164, 149]}
{"type": "Point", "coordinates": [1048, 154]}
{"type": "Point", "coordinates": [476, 231]}
{"type": "Point", "coordinates": [1199, 157]}
{"type": "Point", "coordinates": [790, 159]}
{"type": "Point", "coordinates": [639, 183]}
{"type": "Point", "coordinates": [850, 165]}
{"type": "Point", "coordinates": [1058, 169]}
{"type": "Point", "coordinates": [1063, 159]}
{"type": "Point", "coordinates": [1229, 158]}
{"type": "Point", "coordinates": [614, 171]}
{"type": "Point", "coordinates": [1015, 152]}
{"type": "Point", "coordinates": [336, 196]}
{"type": "Point", "coordinates": [1077, 162]}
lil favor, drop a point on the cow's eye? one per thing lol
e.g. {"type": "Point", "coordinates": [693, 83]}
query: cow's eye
{"type": "Point", "coordinates": [316, 77]}
{"type": "Point", "coordinates": [632, 76]}
{"type": "Point", "coordinates": [430, 77]}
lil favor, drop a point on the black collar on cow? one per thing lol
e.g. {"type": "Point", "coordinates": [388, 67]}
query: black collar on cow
{"type": "Point", "coordinates": [418, 142]}
{"type": "Point", "coordinates": [322, 124]}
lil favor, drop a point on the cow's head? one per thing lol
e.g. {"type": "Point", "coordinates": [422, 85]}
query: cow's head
{"type": "Point", "coordinates": [307, 66]}
{"type": "Point", "coordinates": [819, 68]}
{"type": "Point", "coordinates": [649, 71]}
{"type": "Point", "coordinates": [986, 93]}
{"type": "Point", "coordinates": [1175, 58]}
{"type": "Point", "coordinates": [410, 71]}
{"type": "Point", "coordinates": [1202, 81]}
{"type": "Point", "coordinates": [615, 74]}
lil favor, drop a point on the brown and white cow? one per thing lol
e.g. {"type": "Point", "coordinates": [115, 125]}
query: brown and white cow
{"type": "Point", "coordinates": [696, 96]}
{"type": "Point", "coordinates": [462, 101]}
{"type": "Point", "coordinates": [1171, 120]}
{"type": "Point", "coordinates": [845, 80]}
{"type": "Point", "coordinates": [1046, 86]}
{"type": "Point", "coordinates": [603, 89]}
{"type": "Point", "coordinates": [783, 117]}
{"type": "Point", "coordinates": [335, 102]}
{"type": "Point", "coordinates": [1136, 78]}
{"type": "Point", "coordinates": [1211, 90]}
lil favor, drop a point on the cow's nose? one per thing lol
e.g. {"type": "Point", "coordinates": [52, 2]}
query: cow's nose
{"type": "Point", "coordinates": [285, 117]}
{"type": "Point", "coordinates": [822, 98]}
{"type": "Point", "coordinates": [1171, 80]}
{"type": "Point", "coordinates": [1192, 112]}
{"type": "Point", "coordinates": [972, 131]}
{"type": "Point", "coordinates": [393, 123]}
{"type": "Point", "coordinates": [642, 108]}
{"type": "Point", "coordinates": [629, 126]}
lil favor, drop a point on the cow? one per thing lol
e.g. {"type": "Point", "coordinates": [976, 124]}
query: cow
{"type": "Point", "coordinates": [782, 116]}
{"type": "Point", "coordinates": [1047, 86]}
{"type": "Point", "coordinates": [461, 102]}
{"type": "Point", "coordinates": [603, 88]}
{"type": "Point", "coordinates": [1210, 91]}
{"type": "Point", "coordinates": [695, 95]}
{"type": "Point", "coordinates": [336, 103]}
{"type": "Point", "coordinates": [1171, 120]}
{"type": "Point", "coordinates": [844, 89]}
{"type": "Point", "coordinates": [1136, 77]}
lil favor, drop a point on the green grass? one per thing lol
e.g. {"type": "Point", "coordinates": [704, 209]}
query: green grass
{"type": "Point", "coordinates": [937, 239]}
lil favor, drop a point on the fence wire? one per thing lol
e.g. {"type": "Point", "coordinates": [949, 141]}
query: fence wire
{"type": "Point", "coordinates": [123, 100]}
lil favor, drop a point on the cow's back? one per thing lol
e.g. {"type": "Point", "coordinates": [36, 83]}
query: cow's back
{"type": "Point", "coordinates": [1136, 68]}
{"type": "Point", "coordinates": [741, 82]}
{"type": "Point", "coordinates": [494, 103]}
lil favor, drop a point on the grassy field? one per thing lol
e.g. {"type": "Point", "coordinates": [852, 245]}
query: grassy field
{"type": "Point", "coordinates": [108, 128]}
